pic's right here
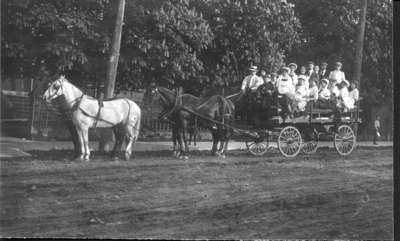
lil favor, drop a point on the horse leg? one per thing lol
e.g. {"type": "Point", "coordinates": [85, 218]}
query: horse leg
{"type": "Point", "coordinates": [174, 139]}
{"type": "Point", "coordinates": [226, 138]}
{"type": "Point", "coordinates": [180, 138]}
{"type": "Point", "coordinates": [184, 131]}
{"type": "Point", "coordinates": [215, 142]}
{"type": "Point", "coordinates": [131, 141]}
{"type": "Point", "coordinates": [119, 139]}
{"type": "Point", "coordinates": [81, 143]}
{"type": "Point", "coordinates": [85, 135]}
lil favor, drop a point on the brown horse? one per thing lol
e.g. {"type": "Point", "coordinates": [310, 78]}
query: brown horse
{"type": "Point", "coordinates": [214, 113]}
{"type": "Point", "coordinates": [181, 120]}
{"type": "Point", "coordinates": [217, 114]}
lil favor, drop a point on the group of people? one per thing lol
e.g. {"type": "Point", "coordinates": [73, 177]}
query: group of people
{"type": "Point", "coordinates": [327, 89]}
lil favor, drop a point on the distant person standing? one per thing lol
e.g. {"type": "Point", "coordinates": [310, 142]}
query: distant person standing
{"type": "Point", "coordinates": [292, 73]}
{"type": "Point", "coordinates": [337, 75]}
{"type": "Point", "coordinates": [377, 127]}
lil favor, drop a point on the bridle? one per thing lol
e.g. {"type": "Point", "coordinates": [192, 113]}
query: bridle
{"type": "Point", "coordinates": [176, 105]}
{"type": "Point", "coordinates": [74, 103]}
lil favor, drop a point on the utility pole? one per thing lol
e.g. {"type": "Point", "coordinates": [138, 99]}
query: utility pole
{"type": "Point", "coordinates": [360, 43]}
{"type": "Point", "coordinates": [113, 61]}
{"type": "Point", "coordinates": [106, 136]}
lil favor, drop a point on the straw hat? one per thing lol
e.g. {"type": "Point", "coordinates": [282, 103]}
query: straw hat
{"type": "Point", "coordinates": [325, 80]}
{"type": "Point", "coordinates": [253, 68]}
{"type": "Point", "coordinates": [293, 64]}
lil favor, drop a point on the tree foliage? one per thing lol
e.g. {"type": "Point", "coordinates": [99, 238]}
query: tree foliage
{"type": "Point", "coordinates": [51, 36]}
{"type": "Point", "coordinates": [187, 42]}
{"type": "Point", "coordinates": [329, 31]}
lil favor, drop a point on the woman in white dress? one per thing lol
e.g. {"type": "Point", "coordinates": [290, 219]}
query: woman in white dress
{"type": "Point", "coordinates": [345, 101]}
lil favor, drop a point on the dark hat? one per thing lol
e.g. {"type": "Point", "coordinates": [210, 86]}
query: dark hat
{"type": "Point", "coordinates": [274, 74]}
{"type": "Point", "coordinates": [324, 63]}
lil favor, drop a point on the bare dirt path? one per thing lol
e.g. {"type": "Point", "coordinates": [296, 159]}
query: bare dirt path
{"type": "Point", "coordinates": [240, 197]}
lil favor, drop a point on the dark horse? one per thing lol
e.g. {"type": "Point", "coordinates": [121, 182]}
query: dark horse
{"type": "Point", "coordinates": [184, 109]}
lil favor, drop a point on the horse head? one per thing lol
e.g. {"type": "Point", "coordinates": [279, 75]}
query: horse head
{"type": "Point", "coordinates": [55, 89]}
{"type": "Point", "coordinates": [167, 96]}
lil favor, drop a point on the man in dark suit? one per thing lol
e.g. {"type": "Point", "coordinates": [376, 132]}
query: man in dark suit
{"type": "Point", "coordinates": [310, 68]}
{"type": "Point", "coordinates": [323, 72]}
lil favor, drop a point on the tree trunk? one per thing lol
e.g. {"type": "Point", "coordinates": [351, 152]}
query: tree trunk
{"type": "Point", "coordinates": [106, 136]}
{"type": "Point", "coordinates": [360, 44]}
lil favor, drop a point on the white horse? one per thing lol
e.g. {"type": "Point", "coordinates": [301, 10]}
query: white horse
{"type": "Point", "coordinates": [86, 113]}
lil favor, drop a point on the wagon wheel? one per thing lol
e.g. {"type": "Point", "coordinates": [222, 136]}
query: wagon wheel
{"type": "Point", "coordinates": [258, 148]}
{"type": "Point", "coordinates": [345, 140]}
{"type": "Point", "coordinates": [289, 141]}
{"type": "Point", "coordinates": [310, 144]}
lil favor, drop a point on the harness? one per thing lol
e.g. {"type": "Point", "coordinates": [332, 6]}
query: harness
{"type": "Point", "coordinates": [177, 104]}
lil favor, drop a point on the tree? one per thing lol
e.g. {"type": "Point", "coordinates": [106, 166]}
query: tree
{"type": "Point", "coordinates": [52, 36]}
{"type": "Point", "coordinates": [329, 31]}
{"type": "Point", "coordinates": [249, 32]}
{"type": "Point", "coordinates": [161, 43]}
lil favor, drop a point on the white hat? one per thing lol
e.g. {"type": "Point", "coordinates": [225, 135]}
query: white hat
{"type": "Point", "coordinates": [286, 68]}
{"type": "Point", "coordinates": [293, 64]}
{"type": "Point", "coordinates": [325, 80]}
{"type": "Point", "coordinates": [253, 68]}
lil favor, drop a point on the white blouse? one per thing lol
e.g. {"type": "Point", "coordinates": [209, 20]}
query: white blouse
{"type": "Point", "coordinates": [354, 94]}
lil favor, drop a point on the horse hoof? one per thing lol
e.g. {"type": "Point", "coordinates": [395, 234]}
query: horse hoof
{"type": "Point", "coordinates": [115, 158]}
{"type": "Point", "coordinates": [185, 157]}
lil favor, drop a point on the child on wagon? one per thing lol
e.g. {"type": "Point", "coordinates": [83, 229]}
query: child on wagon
{"type": "Point", "coordinates": [300, 96]}
{"type": "Point", "coordinates": [285, 88]}
{"type": "Point", "coordinates": [345, 101]}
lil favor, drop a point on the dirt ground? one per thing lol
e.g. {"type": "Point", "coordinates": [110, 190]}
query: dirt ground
{"type": "Point", "coordinates": [321, 196]}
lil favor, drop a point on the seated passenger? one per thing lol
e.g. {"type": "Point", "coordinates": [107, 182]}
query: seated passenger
{"type": "Point", "coordinates": [292, 73]}
{"type": "Point", "coordinates": [303, 73]}
{"type": "Point", "coordinates": [285, 88]}
{"type": "Point", "coordinates": [354, 91]}
{"type": "Point", "coordinates": [337, 75]}
{"type": "Point", "coordinates": [334, 89]}
{"type": "Point", "coordinates": [345, 101]}
{"type": "Point", "coordinates": [325, 100]}
{"type": "Point", "coordinates": [300, 96]}
{"type": "Point", "coordinates": [324, 97]}
{"type": "Point", "coordinates": [312, 91]}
